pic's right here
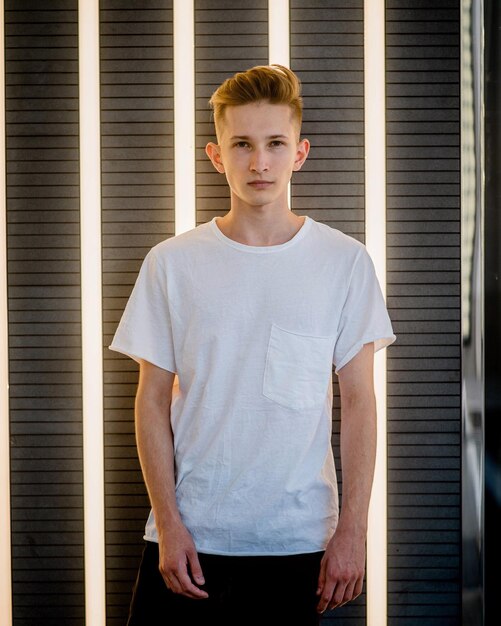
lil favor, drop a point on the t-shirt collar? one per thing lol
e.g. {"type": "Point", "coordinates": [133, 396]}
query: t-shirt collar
{"type": "Point", "coordinates": [261, 249]}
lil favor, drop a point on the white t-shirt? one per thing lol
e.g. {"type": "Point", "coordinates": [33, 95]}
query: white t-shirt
{"type": "Point", "coordinates": [252, 333]}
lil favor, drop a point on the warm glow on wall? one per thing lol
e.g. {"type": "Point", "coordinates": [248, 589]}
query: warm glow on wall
{"type": "Point", "coordinates": [91, 278]}
{"type": "Point", "coordinates": [279, 41]}
{"type": "Point", "coordinates": [375, 220]}
{"type": "Point", "coordinates": [278, 32]}
{"type": "Point", "coordinates": [184, 116]}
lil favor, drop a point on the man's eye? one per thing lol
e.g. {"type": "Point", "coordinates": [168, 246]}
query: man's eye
{"type": "Point", "coordinates": [241, 144]}
{"type": "Point", "coordinates": [276, 143]}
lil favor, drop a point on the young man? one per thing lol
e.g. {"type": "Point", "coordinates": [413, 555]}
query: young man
{"type": "Point", "coordinates": [236, 325]}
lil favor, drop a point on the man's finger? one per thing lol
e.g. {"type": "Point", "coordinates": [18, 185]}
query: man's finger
{"type": "Point", "coordinates": [337, 595]}
{"type": "Point", "coordinates": [195, 568]}
{"type": "Point", "coordinates": [187, 588]}
{"type": "Point", "coordinates": [321, 577]}
{"type": "Point", "coordinates": [171, 582]}
{"type": "Point", "coordinates": [359, 587]}
{"type": "Point", "coordinates": [348, 593]}
{"type": "Point", "coordinates": [178, 581]}
{"type": "Point", "coordinates": [326, 596]}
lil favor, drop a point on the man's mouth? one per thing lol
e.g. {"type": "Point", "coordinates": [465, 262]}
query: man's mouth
{"type": "Point", "coordinates": [260, 184]}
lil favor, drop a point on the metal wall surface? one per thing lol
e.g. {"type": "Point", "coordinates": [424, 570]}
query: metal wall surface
{"type": "Point", "coordinates": [137, 139]}
{"type": "Point", "coordinates": [44, 312]}
{"type": "Point", "coordinates": [327, 49]}
{"type": "Point", "coordinates": [423, 294]}
{"type": "Point", "coordinates": [137, 212]}
{"type": "Point", "coordinates": [229, 37]}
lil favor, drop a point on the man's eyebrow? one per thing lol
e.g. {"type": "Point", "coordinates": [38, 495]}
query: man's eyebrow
{"type": "Point", "coordinates": [246, 137]}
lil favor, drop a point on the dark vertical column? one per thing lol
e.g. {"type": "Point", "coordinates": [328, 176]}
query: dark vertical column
{"type": "Point", "coordinates": [138, 212]}
{"type": "Point", "coordinates": [229, 37]}
{"type": "Point", "coordinates": [327, 51]}
{"type": "Point", "coordinates": [423, 235]}
{"type": "Point", "coordinates": [44, 311]}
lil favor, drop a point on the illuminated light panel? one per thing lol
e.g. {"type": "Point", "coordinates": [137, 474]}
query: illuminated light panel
{"type": "Point", "coordinates": [91, 278]}
{"type": "Point", "coordinates": [5, 536]}
{"type": "Point", "coordinates": [184, 116]}
{"type": "Point", "coordinates": [278, 32]}
{"type": "Point", "coordinates": [375, 216]}
{"type": "Point", "coordinates": [279, 42]}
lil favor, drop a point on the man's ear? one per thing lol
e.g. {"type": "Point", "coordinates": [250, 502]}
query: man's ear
{"type": "Point", "coordinates": [213, 151]}
{"type": "Point", "coordinates": [303, 148]}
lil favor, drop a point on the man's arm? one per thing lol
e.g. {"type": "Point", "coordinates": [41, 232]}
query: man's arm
{"type": "Point", "coordinates": [179, 563]}
{"type": "Point", "coordinates": [343, 565]}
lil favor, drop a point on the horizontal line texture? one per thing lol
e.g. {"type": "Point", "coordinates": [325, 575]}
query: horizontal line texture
{"type": "Point", "coordinates": [44, 313]}
{"type": "Point", "coordinates": [423, 295]}
{"type": "Point", "coordinates": [327, 53]}
{"type": "Point", "coordinates": [137, 136]}
{"type": "Point", "coordinates": [229, 37]}
{"type": "Point", "coordinates": [137, 147]}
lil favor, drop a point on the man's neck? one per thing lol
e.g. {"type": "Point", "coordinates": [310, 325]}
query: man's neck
{"type": "Point", "coordinates": [261, 228]}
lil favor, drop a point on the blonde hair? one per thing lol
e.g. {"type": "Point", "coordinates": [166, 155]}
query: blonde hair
{"type": "Point", "coordinates": [275, 84]}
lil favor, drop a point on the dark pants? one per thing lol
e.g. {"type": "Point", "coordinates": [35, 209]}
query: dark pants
{"type": "Point", "coordinates": [243, 590]}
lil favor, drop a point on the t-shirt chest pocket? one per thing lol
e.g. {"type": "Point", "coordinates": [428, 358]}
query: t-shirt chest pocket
{"type": "Point", "coordinates": [298, 368]}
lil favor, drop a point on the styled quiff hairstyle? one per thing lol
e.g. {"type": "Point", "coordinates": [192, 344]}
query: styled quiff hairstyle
{"type": "Point", "coordinates": [275, 84]}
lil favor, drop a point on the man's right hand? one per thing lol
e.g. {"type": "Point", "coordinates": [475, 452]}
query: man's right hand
{"type": "Point", "coordinates": [179, 564]}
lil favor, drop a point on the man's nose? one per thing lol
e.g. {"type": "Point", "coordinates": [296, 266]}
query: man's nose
{"type": "Point", "coordinates": [259, 161]}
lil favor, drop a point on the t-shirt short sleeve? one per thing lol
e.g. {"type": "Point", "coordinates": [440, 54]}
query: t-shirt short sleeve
{"type": "Point", "coordinates": [145, 330]}
{"type": "Point", "coordinates": [364, 317]}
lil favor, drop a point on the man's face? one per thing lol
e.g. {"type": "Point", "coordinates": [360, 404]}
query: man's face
{"type": "Point", "coordinates": [258, 151]}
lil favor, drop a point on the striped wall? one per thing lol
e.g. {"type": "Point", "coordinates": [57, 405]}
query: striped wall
{"type": "Point", "coordinates": [43, 200]}
{"type": "Point", "coordinates": [44, 311]}
{"type": "Point", "coordinates": [423, 295]}
{"type": "Point", "coordinates": [229, 37]}
{"type": "Point", "coordinates": [327, 51]}
{"type": "Point", "coordinates": [137, 212]}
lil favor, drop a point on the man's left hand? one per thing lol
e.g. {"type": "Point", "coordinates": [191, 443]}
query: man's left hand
{"type": "Point", "coordinates": [342, 570]}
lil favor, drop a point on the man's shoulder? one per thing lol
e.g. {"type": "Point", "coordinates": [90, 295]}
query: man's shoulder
{"type": "Point", "coordinates": [336, 239]}
{"type": "Point", "coordinates": [183, 242]}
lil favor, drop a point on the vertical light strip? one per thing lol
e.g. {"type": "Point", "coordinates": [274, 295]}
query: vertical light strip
{"type": "Point", "coordinates": [279, 42]}
{"type": "Point", "coordinates": [473, 299]}
{"type": "Point", "coordinates": [375, 234]}
{"type": "Point", "coordinates": [91, 277]}
{"type": "Point", "coordinates": [5, 538]}
{"type": "Point", "coordinates": [184, 115]}
{"type": "Point", "coordinates": [278, 32]}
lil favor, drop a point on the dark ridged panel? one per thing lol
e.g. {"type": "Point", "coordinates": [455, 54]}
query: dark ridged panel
{"type": "Point", "coordinates": [44, 311]}
{"type": "Point", "coordinates": [229, 37]}
{"type": "Point", "coordinates": [138, 212]}
{"type": "Point", "coordinates": [327, 53]}
{"type": "Point", "coordinates": [137, 148]}
{"type": "Point", "coordinates": [423, 258]}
